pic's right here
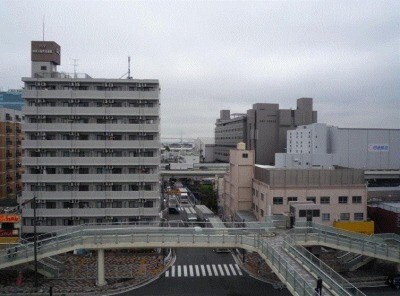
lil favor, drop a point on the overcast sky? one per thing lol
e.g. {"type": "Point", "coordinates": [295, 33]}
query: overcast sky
{"type": "Point", "coordinates": [224, 55]}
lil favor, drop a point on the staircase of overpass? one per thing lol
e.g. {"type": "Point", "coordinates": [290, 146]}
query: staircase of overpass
{"type": "Point", "coordinates": [284, 253]}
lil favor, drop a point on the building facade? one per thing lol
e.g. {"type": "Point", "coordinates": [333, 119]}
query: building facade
{"type": "Point", "coordinates": [92, 146]}
{"type": "Point", "coordinates": [238, 182]}
{"type": "Point", "coordinates": [263, 128]}
{"type": "Point", "coordinates": [11, 169]}
{"type": "Point", "coordinates": [230, 129]}
{"type": "Point", "coordinates": [321, 196]}
{"type": "Point", "coordinates": [322, 146]}
{"type": "Point", "coordinates": [11, 99]}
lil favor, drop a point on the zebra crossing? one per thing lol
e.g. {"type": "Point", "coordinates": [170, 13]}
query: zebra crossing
{"type": "Point", "coordinates": [201, 270]}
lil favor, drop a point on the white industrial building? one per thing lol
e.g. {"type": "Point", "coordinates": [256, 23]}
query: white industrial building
{"type": "Point", "coordinates": [92, 146]}
{"type": "Point", "coordinates": [322, 146]}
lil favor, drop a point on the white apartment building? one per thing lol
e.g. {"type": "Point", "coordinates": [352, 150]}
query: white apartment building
{"type": "Point", "coordinates": [92, 146]}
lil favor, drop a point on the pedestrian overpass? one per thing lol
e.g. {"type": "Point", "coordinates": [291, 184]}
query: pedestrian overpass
{"type": "Point", "coordinates": [284, 253]}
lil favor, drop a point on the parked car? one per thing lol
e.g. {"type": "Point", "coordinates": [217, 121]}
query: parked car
{"type": "Point", "coordinates": [394, 281]}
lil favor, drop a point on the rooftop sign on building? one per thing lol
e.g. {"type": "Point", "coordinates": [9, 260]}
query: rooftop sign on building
{"type": "Point", "coordinates": [45, 51]}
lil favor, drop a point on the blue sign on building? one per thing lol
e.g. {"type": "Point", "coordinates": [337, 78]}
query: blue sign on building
{"type": "Point", "coordinates": [378, 148]}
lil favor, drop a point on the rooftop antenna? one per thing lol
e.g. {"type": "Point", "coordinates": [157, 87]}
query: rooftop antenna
{"type": "Point", "coordinates": [43, 27]}
{"type": "Point", "coordinates": [75, 64]}
{"type": "Point", "coordinates": [129, 68]}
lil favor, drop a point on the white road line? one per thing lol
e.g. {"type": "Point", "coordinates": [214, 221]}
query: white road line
{"type": "Point", "coordinates": [184, 271]}
{"type": "Point", "coordinates": [232, 269]}
{"type": "Point", "coordinates": [215, 269]}
{"type": "Point", "coordinates": [203, 270]}
{"type": "Point", "coordinates": [179, 271]}
{"type": "Point", "coordinates": [191, 270]}
{"type": "Point", "coordinates": [209, 270]}
{"type": "Point", "coordinates": [167, 273]}
{"type": "Point", "coordinates": [221, 271]}
{"type": "Point", "coordinates": [227, 270]}
{"type": "Point", "coordinates": [196, 267]}
{"type": "Point", "coordinates": [173, 271]}
{"type": "Point", "coordinates": [238, 269]}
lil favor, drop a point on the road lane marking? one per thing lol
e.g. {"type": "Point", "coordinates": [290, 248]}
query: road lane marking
{"type": "Point", "coordinates": [215, 269]}
{"type": "Point", "coordinates": [203, 270]}
{"type": "Point", "coordinates": [238, 269]}
{"type": "Point", "coordinates": [221, 270]}
{"type": "Point", "coordinates": [184, 271]}
{"type": "Point", "coordinates": [191, 270]}
{"type": "Point", "coordinates": [167, 273]}
{"type": "Point", "coordinates": [179, 271]}
{"type": "Point", "coordinates": [173, 271]}
{"type": "Point", "coordinates": [209, 270]}
{"type": "Point", "coordinates": [232, 269]}
{"type": "Point", "coordinates": [196, 267]}
{"type": "Point", "coordinates": [227, 270]}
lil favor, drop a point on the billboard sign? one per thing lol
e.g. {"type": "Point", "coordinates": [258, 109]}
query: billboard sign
{"type": "Point", "coordinates": [7, 218]}
{"type": "Point", "coordinates": [378, 148]}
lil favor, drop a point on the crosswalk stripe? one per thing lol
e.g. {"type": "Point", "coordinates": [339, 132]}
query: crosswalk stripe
{"type": "Point", "coordinates": [173, 271]}
{"type": "Point", "coordinates": [238, 269]}
{"type": "Point", "coordinates": [221, 271]}
{"type": "Point", "coordinates": [203, 270]}
{"type": "Point", "coordinates": [185, 271]}
{"type": "Point", "coordinates": [232, 269]}
{"type": "Point", "coordinates": [215, 269]}
{"type": "Point", "coordinates": [227, 270]}
{"type": "Point", "coordinates": [167, 273]}
{"type": "Point", "coordinates": [179, 271]}
{"type": "Point", "coordinates": [191, 270]}
{"type": "Point", "coordinates": [209, 270]}
{"type": "Point", "coordinates": [196, 267]}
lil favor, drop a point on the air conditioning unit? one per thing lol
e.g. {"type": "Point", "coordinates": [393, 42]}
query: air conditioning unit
{"type": "Point", "coordinates": [72, 166]}
{"type": "Point", "coordinates": [71, 150]}
{"type": "Point", "coordinates": [38, 83]}
{"type": "Point", "coordinates": [106, 101]}
{"type": "Point", "coordinates": [43, 84]}
{"type": "Point", "coordinates": [109, 218]}
{"type": "Point", "coordinates": [77, 84]}
{"type": "Point", "coordinates": [76, 201]}
{"type": "Point", "coordinates": [111, 101]}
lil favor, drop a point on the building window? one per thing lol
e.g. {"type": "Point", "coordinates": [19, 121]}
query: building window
{"type": "Point", "coordinates": [343, 199]}
{"type": "Point", "coordinates": [302, 213]}
{"type": "Point", "coordinates": [325, 200]}
{"type": "Point", "coordinates": [311, 198]}
{"type": "Point", "coordinates": [291, 198]}
{"type": "Point", "coordinates": [278, 200]}
{"type": "Point", "coordinates": [262, 213]}
{"type": "Point", "coordinates": [326, 217]}
{"type": "Point", "coordinates": [356, 199]}
{"type": "Point", "coordinates": [43, 68]}
{"type": "Point", "coordinates": [262, 196]}
{"type": "Point", "coordinates": [358, 216]}
{"type": "Point", "coordinates": [344, 216]}
{"type": "Point", "coordinates": [245, 155]}
{"type": "Point", "coordinates": [148, 204]}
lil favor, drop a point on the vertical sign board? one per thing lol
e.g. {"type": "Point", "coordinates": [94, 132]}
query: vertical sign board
{"type": "Point", "coordinates": [9, 228]}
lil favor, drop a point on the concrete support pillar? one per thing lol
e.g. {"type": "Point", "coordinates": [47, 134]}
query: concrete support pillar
{"type": "Point", "coordinates": [101, 281]}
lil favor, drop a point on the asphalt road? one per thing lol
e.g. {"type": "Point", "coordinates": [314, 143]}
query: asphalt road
{"type": "Point", "coordinates": [190, 278]}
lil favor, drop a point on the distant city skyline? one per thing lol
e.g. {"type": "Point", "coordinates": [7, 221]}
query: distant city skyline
{"type": "Point", "coordinates": [210, 56]}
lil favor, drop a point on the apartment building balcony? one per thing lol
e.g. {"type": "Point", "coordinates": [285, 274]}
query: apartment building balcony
{"type": "Point", "coordinates": [90, 144]}
{"type": "Point", "coordinates": [89, 127]}
{"type": "Point", "coordinates": [88, 178]}
{"type": "Point", "coordinates": [88, 161]}
{"type": "Point", "coordinates": [89, 94]}
{"type": "Point", "coordinates": [90, 212]}
{"type": "Point", "coordinates": [91, 195]}
{"type": "Point", "coordinates": [92, 111]}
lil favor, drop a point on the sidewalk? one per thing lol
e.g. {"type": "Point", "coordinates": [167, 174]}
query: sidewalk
{"type": "Point", "coordinates": [123, 271]}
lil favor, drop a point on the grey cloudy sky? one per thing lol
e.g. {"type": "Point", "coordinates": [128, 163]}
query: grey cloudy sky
{"type": "Point", "coordinates": [224, 55]}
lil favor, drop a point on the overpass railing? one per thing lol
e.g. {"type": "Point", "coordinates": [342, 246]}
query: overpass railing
{"type": "Point", "coordinates": [354, 244]}
{"type": "Point", "coordinates": [326, 273]}
{"type": "Point", "coordinates": [98, 238]}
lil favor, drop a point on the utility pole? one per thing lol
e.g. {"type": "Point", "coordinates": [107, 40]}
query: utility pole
{"type": "Point", "coordinates": [35, 241]}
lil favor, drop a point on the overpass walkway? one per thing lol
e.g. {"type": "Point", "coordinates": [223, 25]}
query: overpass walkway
{"type": "Point", "coordinates": [293, 264]}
